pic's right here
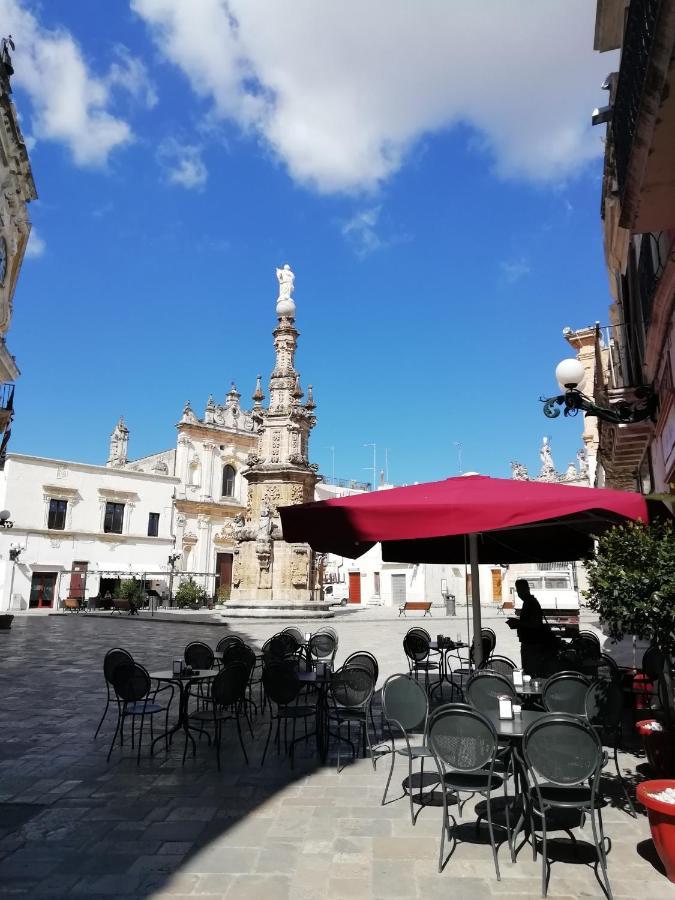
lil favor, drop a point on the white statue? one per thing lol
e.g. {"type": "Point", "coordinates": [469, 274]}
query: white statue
{"type": "Point", "coordinates": [519, 472]}
{"type": "Point", "coordinates": [286, 280]}
{"type": "Point", "coordinates": [264, 522]}
{"type": "Point", "coordinates": [546, 456]}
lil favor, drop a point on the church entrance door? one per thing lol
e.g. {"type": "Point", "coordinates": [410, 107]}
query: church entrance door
{"type": "Point", "coordinates": [223, 574]}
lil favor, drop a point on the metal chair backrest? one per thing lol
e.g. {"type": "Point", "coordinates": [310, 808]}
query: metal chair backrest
{"type": "Point", "coordinates": [405, 703]}
{"type": "Point", "coordinates": [562, 749]}
{"type": "Point", "coordinates": [603, 703]}
{"type": "Point", "coordinates": [113, 660]}
{"type": "Point", "coordinates": [462, 738]}
{"type": "Point", "coordinates": [282, 644]}
{"type": "Point", "coordinates": [500, 664]}
{"type": "Point", "coordinates": [489, 635]}
{"type": "Point", "coordinates": [591, 636]}
{"type": "Point", "coordinates": [281, 683]}
{"type": "Point", "coordinates": [484, 689]}
{"type": "Point", "coordinates": [653, 662]}
{"type": "Point", "coordinates": [416, 629]}
{"type": "Point", "coordinates": [239, 653]}
{"type": "Point", "coordinates": [229, 685]}
{"type": "Point", "coordinates": [364, 660]}
{"type": "Point", "coordinates": [586, 647]}
{"type": "Point", "coordinates": [416, 647]}
{"type": "Point", "coordinates": [131, 682]}
{"type": "Point", "coordinates": [607, 667]}
{"type": "Point", "coordinates": [199, 655]}
{"type": "Point", "coordinates": [327, 629]}
{"type": "Point", "coordinates": [322, 646]}
{"type": "Point", "coordinates": [352, 687]}
{"type": "Point", "coordinates": [488, 643]}
{"type": "Point", "coordinates": [227, 641]}
{"type": "Point", "coordinates": [565, 692]}
{"type": "Point", "coordinates": [296, 634]}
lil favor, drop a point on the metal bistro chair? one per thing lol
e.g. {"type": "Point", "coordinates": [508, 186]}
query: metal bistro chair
{"type": "Point", "coordinates": [565, 692]}
{"type": "Point", "coordinates": [500, 664]}
{"type": "Point", "coordinates": [604, 710]}
{"type": "Point", "coordinates": [282, 688]}
{"type": "Point", "coordinates": [226, 696]}
{"type": "Point", "coordinates": [564, 758]}
{"type": "Point", "coordinates": [113, 660]}
{"type": "Point", "coordinates": [362, 659]}
{"type": "Point", "coordinates": [199, 655]}
{"type": "Point", "coordinates": [418, 652]}
{"type": "Point", "coordinates": [464, 745]}
{"type": "Point", "coordinates": [133, 690]}
{"type": "Point", "coordinates": [228, 641]}
{"type": "Point", "coordinates": [296, 634]}
{"type": "Point", "coordinates": [406, 711]}
{"type": "Point", "coordinates": [322, 647]}
{"type": "Point", "coordinates": [484, 689]}
{"type": "Point", "coordinates": [351, 691]}
{"type": "Point", "coordinates": [242, 653]}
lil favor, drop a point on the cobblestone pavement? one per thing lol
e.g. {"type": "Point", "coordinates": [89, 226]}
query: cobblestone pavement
{"type": "Point", "coordinates": [71, 825]}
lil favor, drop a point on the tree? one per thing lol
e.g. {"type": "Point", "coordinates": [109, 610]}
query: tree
{"type": "Point", "coordinates": [190, 594]}
{"type": "Point", "coordinates": [632, 582]}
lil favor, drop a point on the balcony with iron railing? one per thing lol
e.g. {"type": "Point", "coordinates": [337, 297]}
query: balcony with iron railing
{"type": "Point", "coordinates": [643, 117]}
{"type": "Point", "coordinates": [6, 405]}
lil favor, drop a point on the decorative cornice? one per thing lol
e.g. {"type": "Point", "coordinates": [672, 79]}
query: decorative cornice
{"type": "Point", "coordinates": [87, 467]}
{"type": "Point", "coordinates": [210, 507]}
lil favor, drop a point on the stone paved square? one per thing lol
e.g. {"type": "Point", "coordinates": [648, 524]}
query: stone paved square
{"type": "Point", "coordinates": [73, 825]}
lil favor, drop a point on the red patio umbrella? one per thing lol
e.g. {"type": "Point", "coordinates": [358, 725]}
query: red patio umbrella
{"type": "Point", "coordinates": [501, 520]}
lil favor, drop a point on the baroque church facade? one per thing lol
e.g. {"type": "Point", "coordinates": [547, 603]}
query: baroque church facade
{"type": "Point", "coordinates": [207, 507]}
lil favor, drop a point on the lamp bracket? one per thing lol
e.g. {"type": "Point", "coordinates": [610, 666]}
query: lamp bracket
{"type": "Point", "coordinates": [622, 413]}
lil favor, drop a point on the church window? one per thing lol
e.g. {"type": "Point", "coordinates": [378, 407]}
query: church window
{"type": "Point", "coordinates": [153, 524]}
{"type": "Point", "coordinates": [228, 481]}
{"type": "Point", "coordinates": [57, 514]}
{"type": "Point", "coordinates": [113, 519]}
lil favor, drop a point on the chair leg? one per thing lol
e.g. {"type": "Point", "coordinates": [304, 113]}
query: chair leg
{"type": "Point", "coordinates": [492, 836]}
{"type": "Point", "coordinates": [140, 739]}
{"type": "Point", "coordinates": [105, 713]}
{"type": "Point", "coordinates": [544, 855]}
{"type": "Point", "coordinates": [623, 783]}
{"type": "Point", "coordinates": [410, 789]}
{"type": "Point", "coordinates": [241, 739]}
{"type": "Point", "coordinates": [391, 772]}
{"type": "Point", "coordinates": [117, 728]}
{"type": "Point", "coordinates": [267, 742]}
{"type": "Point", "coordinates": [216, 736]}
{"type": "Point", "coordinates": [600, 845]}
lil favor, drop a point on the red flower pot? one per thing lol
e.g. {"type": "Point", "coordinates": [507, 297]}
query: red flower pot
{"type": "Point", "coordinates": [660, 749]}
{"type": "Point", "coordinates": [661, 821]}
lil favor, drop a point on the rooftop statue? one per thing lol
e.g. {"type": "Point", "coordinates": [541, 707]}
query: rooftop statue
{"type": "Point", "coordinates": [286, 279]}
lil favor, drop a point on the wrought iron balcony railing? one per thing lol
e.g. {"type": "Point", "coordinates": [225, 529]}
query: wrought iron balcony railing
{"type": "Point", "coordinates": [7, 398]}
{"type": "Point", "coordinates": [641, 26]}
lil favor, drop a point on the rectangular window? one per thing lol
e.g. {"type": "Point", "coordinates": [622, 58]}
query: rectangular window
{"type": "Point", "coordinates": [114, 517]}
{"type": "Point", "coordinates": [57, 514]}
{"type": "Point", "coordinates": [153, 524]}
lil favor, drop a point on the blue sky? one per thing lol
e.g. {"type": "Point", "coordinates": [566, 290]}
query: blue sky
{"type": "Point", "coordinates": [443, 227]}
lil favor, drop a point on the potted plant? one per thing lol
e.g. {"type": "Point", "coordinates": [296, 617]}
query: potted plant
{"type": "Point", "coordinates": [657, 798]}
{"type": "Point", "coordinates": [632, 587]}
{"type": "Point", "coordinates": [132, 590]}
{"type": "Point", "coordinates": [190, 595]}
{"type": "Point", "coordinates": [223, 595]}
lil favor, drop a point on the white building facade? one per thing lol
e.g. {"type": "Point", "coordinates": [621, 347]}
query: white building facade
{"type": "Point", "coordinates": [78, 528]}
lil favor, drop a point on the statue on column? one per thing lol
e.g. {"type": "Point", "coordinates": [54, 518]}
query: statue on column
{"type": "Point", "coordinates": [286, 280]}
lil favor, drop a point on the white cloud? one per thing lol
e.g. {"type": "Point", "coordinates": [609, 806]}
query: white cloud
{"type": "Point", "coordinates": [70, 104]}
{"type": "Point", "coordinates": [130, 74]}
{"type": "Point", "coordinates": [183, 164]}
{"type": "Point", "coordinates": [515, 269]}
{"type": "Point", "coordinates": [361, 231]}
{"type": "Point", "coordinates": [341, 91]}
{"type": "Point", "coordinates": [35, 246]}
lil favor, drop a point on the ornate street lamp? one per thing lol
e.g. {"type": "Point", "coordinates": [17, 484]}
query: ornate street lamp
{"type": "Point", "coordinates": [570, 375]}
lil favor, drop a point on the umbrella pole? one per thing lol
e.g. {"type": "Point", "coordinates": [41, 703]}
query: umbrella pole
{"type": "Point", "coordinates": [475, 600]}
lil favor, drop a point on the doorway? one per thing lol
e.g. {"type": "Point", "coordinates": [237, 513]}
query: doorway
{"type": "Point", "coordinates": [398, 590]}
{"type": "Point", "coordinates": [78, 580]}
{"type": "Point", "coordinates": [354, 587]}
{"type": "Point", "coordinates": [223, 574]}
{"type": "Point", "coordinates": [497, 585]}
{"type": "Point", "coordinates": [42, 587]}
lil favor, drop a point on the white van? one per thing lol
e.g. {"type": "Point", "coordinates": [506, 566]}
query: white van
{"type": "Point", "coordinates": [557, 597]}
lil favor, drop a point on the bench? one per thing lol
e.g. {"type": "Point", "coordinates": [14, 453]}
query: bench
{"type": "Point", "coordinates": [415, 605]}
{"type": "Point", "coordinates": [121, 604]}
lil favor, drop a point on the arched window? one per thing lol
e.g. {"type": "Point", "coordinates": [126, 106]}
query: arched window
{"type": "Point", "coordinates": [228, 481]}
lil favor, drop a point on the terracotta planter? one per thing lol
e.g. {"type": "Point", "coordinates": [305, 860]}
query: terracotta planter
{"type": "Point", "coordinates": [6, 622]}
{"type": "Point", "coordinates": [661, 821]}
{"type": "Point", "coordinates": [660, 749]}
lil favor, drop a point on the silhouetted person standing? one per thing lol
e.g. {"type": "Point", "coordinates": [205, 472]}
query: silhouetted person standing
{"type": "Point", "coordinates": [535, 637]}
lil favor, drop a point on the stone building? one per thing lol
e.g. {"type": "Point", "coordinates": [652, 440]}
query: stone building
{"type": "Point", "coordinates": [17, 190]}
{"type": "Point", "coordinates": [638, 221]}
